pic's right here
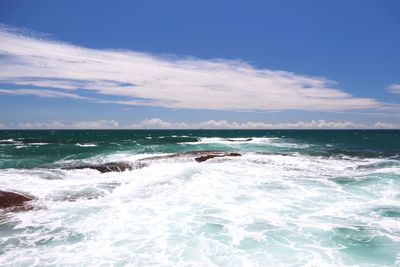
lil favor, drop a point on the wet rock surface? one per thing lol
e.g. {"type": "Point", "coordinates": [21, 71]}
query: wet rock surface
{"type": "Point", "coordinates": [198, 156]}
{"type": "Point", "coordinates": [14, 202]}
{"type": "Point", "coordinates": [110, 166]}
{"type": "Point", "coordinates": [210, 156]}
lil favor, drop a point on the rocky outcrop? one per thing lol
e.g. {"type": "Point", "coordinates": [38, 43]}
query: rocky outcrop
{"type": "Point", "coordinates": [110, 166]}
{"type": "Point", "coordinates": [198, 156]}
{"type": "Point", "coordinates": [193, 155]}
{"type": "Point", "coordinates": [14, 202]}
{"type": "Point", "coordinates": [218, 155]}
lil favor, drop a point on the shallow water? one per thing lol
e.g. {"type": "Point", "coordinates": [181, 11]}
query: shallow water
{"type": "Point", "coordinates": [316, 198]}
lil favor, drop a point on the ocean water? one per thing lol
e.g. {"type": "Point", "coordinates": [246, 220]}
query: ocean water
{"type": "Point", "coordinates": [294, 198]}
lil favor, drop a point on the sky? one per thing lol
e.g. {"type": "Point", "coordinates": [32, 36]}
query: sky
{"type": "Point", "coordinates": [199, 64]}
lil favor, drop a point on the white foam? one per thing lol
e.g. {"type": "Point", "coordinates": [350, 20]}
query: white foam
{"type": "Point", "coordinates": [271, 141]}
{"type": "Point", "coordinates": [21, 146]}
{"type": "Point", "coordinates": [254, 140]}
{"type": "Point", "coordinates": [86, 145]}
{"type": "Point", "coordinates": [254, 210]}
{"type": "Point", "coordinates": [38, 144]}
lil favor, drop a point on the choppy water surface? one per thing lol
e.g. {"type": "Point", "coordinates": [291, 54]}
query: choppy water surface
{"type": "Point", "coordinates": [316, 198]}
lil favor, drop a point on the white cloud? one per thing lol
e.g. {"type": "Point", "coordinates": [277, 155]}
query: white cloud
{"type": "Point", "coordinates": [145, 79]}
{"type": "Point", "coordinates": [386, 125]}
{"type": "Point", "coordinates": [157, 123]}
{"type": "Point", "coordinates": [394, 88]}
{"type": "Point", "coordinates": [101, 124]}
{"type": "Point", "coordinates": [222, 124]}
{"type": "Point", "coordinates": [42, 125]}
{"type": "Point", "coordinates": [41, 93]}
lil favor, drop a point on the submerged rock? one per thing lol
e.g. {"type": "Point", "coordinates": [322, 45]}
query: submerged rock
{"type": "Point", "coordinates": [14, 202]}
{"type": "Point", "coordinates": [84, 194]}
{"type": "Point", "coordinates": [111, 166]}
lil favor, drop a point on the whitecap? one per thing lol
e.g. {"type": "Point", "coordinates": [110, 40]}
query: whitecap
{"type": "Point", "coordinates": [38, 144]}
{"type": "Point", "coordinates": [270, 141]}
{"type": "Point", "coordinates": [232, 141]}
{"type": "Point", "coordinates": [21, 146]}
{"type": "Point", "coordinates": [86, 145]}
{"type": "Point", "coordinates": [9, 142]}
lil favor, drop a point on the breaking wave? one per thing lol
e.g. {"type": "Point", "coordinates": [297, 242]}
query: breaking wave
{"type": "Point", "coordinates": [276, 202]}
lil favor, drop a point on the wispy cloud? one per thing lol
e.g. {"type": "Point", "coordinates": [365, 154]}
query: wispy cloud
{"type": "Point", "coordinates": [41, 93]}
{"type": "Point", "coordinates": [157, 123]}
{"type": "Point", "coordinates": [394, 88]}
{"type": "Point", "coordinates": [164, 81]}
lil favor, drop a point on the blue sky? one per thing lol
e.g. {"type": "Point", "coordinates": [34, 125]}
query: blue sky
{"type": "Point", "coordinates": [183, 64]}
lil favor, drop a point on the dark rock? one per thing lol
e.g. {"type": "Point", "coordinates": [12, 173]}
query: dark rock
{"type": "Point", "coordinates": [6, 142]}
{"type": "Point", "coordinates": [240, 140]}
{"type": "Point", "coordinates": [111, 166]}
{"type": "Point", "coordinates": [198, 156]}
{"type": "Point", "coordinates": [206, 157]}
{"type": "Point", "coordinates": [210, 156]}
{"type": "Point", "coordinates": [193, 155]}
{"type": "Point", "coordinates": [14, 202]}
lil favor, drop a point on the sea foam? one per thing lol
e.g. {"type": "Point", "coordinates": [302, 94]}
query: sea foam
{"type": "Point", "coordinates": [251, 210]}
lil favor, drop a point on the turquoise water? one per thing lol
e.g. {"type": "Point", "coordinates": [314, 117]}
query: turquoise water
{"type": "Point", "coordinates": [306, 197]}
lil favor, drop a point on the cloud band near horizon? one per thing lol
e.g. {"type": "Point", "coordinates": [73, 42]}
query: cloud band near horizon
{"type": "Point", "coordinates": [157, 123]}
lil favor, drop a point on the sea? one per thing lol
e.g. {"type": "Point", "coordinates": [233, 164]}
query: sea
{"type": "Point", "coordinates": [293, 198]}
